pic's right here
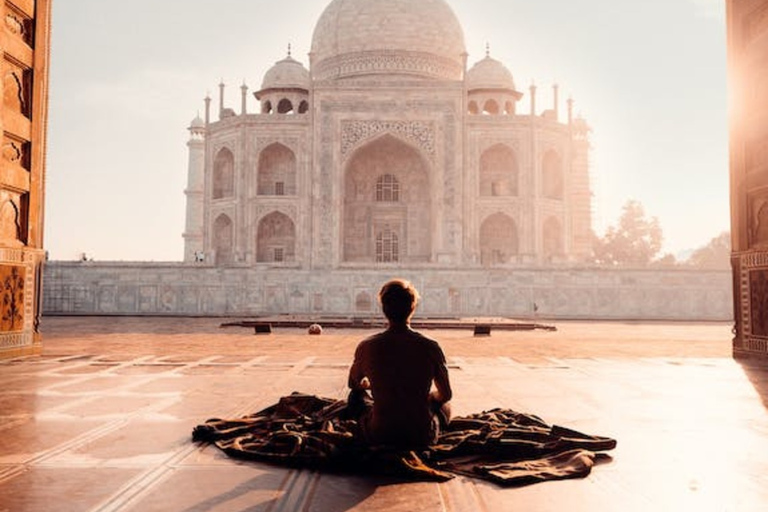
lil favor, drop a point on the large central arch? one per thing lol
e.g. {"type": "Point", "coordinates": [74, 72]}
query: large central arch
{"type": "Point", "coordinates": [387, 196]}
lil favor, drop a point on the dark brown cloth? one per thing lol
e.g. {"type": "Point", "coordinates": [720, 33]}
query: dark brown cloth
{"type": "Point", "coordinates": [500, 445]}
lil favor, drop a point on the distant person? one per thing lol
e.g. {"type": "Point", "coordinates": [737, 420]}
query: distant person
{"type": "Point", "coordinates": [399, 367]}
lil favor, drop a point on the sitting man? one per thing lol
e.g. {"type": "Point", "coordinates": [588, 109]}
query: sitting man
{"type": "Point", "coordinates": [399, 366]}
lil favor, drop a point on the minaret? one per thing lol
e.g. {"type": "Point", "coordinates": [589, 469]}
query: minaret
{"type": "Point", "coordinates": [556, 107]}
{"type": "Point", "coordinates": [221, 99]}
{"type": "Point", "coordinates": [193, 233]}
{"type": "Point", "coordinates": [243, 100]}
{"type": "Point", "coordinates": [533, 99]}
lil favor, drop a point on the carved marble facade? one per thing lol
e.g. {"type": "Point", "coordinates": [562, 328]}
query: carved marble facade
{"type": "Point", "coordinates": [24, 69]}
{"type": "Point", "coordinates": [388, 151]}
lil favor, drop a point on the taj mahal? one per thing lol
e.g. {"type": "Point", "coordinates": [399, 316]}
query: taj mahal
{"type": "Point", "coordinates": [388, 152]}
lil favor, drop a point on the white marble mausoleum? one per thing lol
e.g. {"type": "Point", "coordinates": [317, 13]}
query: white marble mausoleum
{"type": "Point", "coordinates": [392, 149]}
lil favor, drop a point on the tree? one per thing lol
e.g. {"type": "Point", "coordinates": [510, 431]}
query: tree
{"type": "Point", "coordinates": [635, 241]}
{"type": "Point", "coordinates": [715, 255]}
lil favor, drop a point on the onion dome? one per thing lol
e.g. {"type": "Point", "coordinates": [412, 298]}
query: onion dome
{"type": "Point", "coordinates": [286, 74]}
{"type": "Point", "coordinates": [197, 123]}
{"type": "Point", "coordinates": [489, 73]}
{"type": "Point", "coordinates": [373, 37]}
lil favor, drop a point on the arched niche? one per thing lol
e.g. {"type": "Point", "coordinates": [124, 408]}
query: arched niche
{"type": "Point", "coordinates": [276, 174]}
{"type": "Point", "coordinates": [10, 225]}
{"type": "Point", "coordinates": [498, 171]}
{"type": "Point", "coordinates": [276, 239]}
{"type": "Point", "coordinates": [223, 174]}
{"type": "Point", "coordinates": [285, 106]}
{"type": "Point", "coordinates": [491, 107]}
{"type": "Point", "coordinates": [223, 240]}
{"type": "Point", "coordinates": [396, 173]}
{"type": "Point", "coordinates": [498, 240]}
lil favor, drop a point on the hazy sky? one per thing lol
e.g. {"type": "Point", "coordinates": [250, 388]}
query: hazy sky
{"type": "Point", "coordinates": [128, 77]}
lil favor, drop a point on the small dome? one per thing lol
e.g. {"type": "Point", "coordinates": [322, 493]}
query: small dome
{"type": "Point", "coordinates": [489, 73]}
{"type": "Point", "coordinates": [286, 74]}
{"type": "Point", "coordinates": [197, 123]}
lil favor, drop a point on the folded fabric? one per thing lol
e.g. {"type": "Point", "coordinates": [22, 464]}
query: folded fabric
{"type": "Point", "coordinates": [500, 445]}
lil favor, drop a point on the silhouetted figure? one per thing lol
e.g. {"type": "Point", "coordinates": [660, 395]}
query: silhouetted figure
{"type": "Point", "coordinates": [399, 366]}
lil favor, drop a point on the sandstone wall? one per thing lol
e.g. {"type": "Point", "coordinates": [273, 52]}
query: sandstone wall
{"type": "Point", "coordinates": [90, 288]}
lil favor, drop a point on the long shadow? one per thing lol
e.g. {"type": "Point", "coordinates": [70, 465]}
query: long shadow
{"type": "Point", "coordinates": [343, 497]}
{"type": "Point", "coordinates": [757, 373]}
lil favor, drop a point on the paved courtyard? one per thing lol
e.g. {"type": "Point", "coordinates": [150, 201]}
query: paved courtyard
{"type": "Point", "coordinates": [102, 420]}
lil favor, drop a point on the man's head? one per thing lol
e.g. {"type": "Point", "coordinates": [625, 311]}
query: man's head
{"type": "Point", "coordinates": [398, 299]}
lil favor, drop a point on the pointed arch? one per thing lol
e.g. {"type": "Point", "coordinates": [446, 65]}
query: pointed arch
{"type": "Point", "coordinates": [498, 240]}
{"type": "Point", "coordinates": [10, 225]}
{"type": "Point", "coordinates": [223, 240]}
{"type": "Point", "coordinates": [386, 190]}
{"type": "Point", "coordinates": [223, 174]}
{"type": "Point", "coordinates": [266, 107]}
{"type": "Point", "coordinates": [277, 171]}
{"type": "Point", "coordinates": [552, 237]}
{"type": "Point", "coordinates": [498, 171]}
{"type": "Point", "coordinates": [472, 108]}
{"type": "Point", "coordinates": [285, 106]}
{"type": "Point", "coordinates": [552, 175]}
{"type": "Point", "coordinates": [303, 107]}
{"type": "Point", "coordinates": [491, 107]}
{"type": "Point", "coordinates": [276, 238]}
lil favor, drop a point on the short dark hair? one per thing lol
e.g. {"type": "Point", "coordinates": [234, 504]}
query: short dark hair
{"type": "Point", "coordinates": [398, 299]}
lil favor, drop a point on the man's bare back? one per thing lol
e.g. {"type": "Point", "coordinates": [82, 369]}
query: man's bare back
{"type": "Point", "coordinates": [400, 366]}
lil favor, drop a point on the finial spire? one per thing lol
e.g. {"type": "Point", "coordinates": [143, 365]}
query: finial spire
{"type": "Point", "coordinates": [487, 49]}
{"type": "Point", "coordinates": [289, 49]}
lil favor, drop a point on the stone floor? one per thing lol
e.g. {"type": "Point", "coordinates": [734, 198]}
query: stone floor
{"type": "Point", "coordinates": [102, 420]}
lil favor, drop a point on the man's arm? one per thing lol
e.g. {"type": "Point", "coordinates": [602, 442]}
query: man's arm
{"type": "Point", "coordinates": [443, 393]}
{"type": "Point", "coordinates": [356, 375]}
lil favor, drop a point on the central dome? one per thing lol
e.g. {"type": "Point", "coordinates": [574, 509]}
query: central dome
{"type": "Point", "coordinates": [371, 37]}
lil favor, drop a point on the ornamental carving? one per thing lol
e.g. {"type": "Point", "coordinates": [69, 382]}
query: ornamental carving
{"type": "Point", "coordinates": [12, 279]}
{"type": "Point", "coordinates": [262, 142]}
{"type": "Point", "coordinates": [758, 290]}
{"type": "Point", "coordinates": [364, 63]}
{"type": "Point", "coordinates": [758, 222]}
{"type": "Point", "coordinates": [20, 26]}
{"type": "Point", "coordinates": [16, 152]}
{"type": "Point", "coordinates": [263, 210]}
{"type": "Point", "coordinates": [419, 133]}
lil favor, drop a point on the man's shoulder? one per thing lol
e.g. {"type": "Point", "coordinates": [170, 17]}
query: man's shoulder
{"type": "Point", "coordinates": [424, 338]}
{"type": "Point", "coordinates": [371, 340]}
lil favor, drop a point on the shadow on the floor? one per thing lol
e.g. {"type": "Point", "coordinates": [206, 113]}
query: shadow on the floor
{"type": "Point", "coordinates": [757, 372]}
{"type": "Point", "coordinates": [342, 492]}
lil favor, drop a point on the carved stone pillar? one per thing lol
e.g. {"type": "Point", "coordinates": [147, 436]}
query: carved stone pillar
{"type": "Point", "coordinates": [23, 117]}
{"type": "Point", "coordinates": [748, 75]}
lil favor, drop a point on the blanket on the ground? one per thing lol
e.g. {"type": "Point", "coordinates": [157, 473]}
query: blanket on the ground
{"type": "Point", "coordinates": [500, 445]}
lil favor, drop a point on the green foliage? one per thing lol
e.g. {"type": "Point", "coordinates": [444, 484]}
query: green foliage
{"type": "Point", "coordinates": [715, 255]}
{"type": "Point", "coordinates": [635, 241]}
